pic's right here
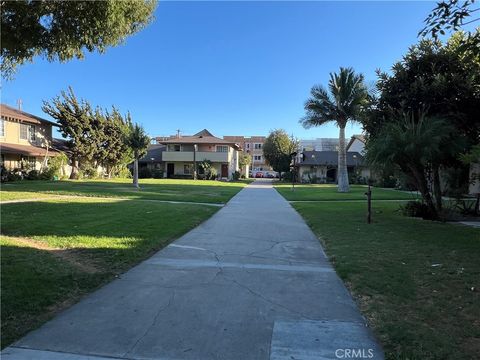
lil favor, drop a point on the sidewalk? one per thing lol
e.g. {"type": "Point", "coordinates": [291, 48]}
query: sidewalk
{"type": "Point", "coordinates": [252, 282]}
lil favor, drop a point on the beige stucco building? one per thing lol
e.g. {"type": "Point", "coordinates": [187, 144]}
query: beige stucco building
{"type": "Point", "coordinates": [252, 145]}
{"type": "Point", "coordinates": [182, 152]}
{"type": "Point", "coordinates": [25, 140]}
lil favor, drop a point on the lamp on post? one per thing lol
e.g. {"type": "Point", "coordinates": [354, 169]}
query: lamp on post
{"type": "Point", "coordinates": [195, 146]}
{"type": "Point", "coordinates": [294, 159]}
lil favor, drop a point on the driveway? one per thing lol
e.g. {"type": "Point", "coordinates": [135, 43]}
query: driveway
{"type": "Point", "coordinates": [252, 282]}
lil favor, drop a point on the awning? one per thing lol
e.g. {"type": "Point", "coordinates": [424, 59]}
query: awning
{"type": "Point", "coordinates": [27, 150]}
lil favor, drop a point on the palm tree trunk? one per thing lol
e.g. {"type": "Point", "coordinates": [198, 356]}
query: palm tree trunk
{"type": "Point", "coordinates": [343, 185]}
{"type": "Point", "coordinates": [135, 170]}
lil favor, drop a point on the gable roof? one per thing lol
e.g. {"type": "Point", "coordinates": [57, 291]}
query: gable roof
{"type": "Point", "coordinates": [155, 152]}
{"type": "Point", "coordinates": [202, 137]}
{"type": "Point", "coordinates": [313, 158]}
{"type": "Point", "coordinates": [9, 113]}
{"type": "Point", "coordinates": [355, 137]}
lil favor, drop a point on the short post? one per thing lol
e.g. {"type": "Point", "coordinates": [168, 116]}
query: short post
{"type": "Point", "coordinates": [369, 204]}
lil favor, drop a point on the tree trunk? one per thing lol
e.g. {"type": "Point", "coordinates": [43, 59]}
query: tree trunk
{"type": "Point", "coordinates": [135, 170]}
{"type": "Point", "coordinates": [437, 191]}
{"type": "Point", "coordinates": [421, 183]}
{"type": "Point", "coordinates": [342, 176]}
{"type": "Point", "coordinates": [75, 166]}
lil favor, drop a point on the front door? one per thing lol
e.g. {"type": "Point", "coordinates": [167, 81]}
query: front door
{"type": "Point", "coordinates": [170, 169]}
{"type": "Point", "coordinates": [224, 170]}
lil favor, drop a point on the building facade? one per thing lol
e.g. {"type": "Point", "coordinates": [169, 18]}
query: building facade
{"type": "Point", "coordinates": [252, 146]}
{"type": "Point", "coordinates": [319, 144]}
{"type": "Point", "coordinates": [25, 140]}
{"type": "Point", "coordinates": [182, 152]}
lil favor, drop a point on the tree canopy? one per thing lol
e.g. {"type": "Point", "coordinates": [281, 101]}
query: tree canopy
{"type": "Point", "coordinates": [95, 137]}
{"type": "Point", "coordinates": [63, 30]}
{"type": "Point", "coordinates": [277, 149]}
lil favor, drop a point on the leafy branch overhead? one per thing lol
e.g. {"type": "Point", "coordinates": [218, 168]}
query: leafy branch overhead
{"type": "Point", "coordinates": [450, 15]}
{"type": "Point", "coordinates": [63, 30]}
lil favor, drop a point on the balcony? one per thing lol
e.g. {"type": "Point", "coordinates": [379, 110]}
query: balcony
{"type": "Point", "coordinates": [187, 156]}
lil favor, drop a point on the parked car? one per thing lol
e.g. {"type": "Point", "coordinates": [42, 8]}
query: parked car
{"type": "Point", "coordinates": [259, 174]}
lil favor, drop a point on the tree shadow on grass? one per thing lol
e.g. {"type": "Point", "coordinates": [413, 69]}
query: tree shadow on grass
{"type": "Point", "coordinates": [199, 191]}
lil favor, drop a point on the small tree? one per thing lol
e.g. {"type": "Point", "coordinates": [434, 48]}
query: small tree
{"type": "Point", "coordinates": [244, 160]}
{"type": "Point", "coordinates": [347, 96]}
{"type": "Point", "coordinates": [77, 123]}
{"type": "Point", "coordinates": [138, 141]}
{"type": "Point", "coordinates": [277, 149]}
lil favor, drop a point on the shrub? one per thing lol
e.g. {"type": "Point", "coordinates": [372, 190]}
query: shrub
{"type": "Point", "coordinates": [144, 173]}
{"type": "Point", "coordinates": [212, 173]}
{"type": "Point", "coordinates": [33, 175]}
{"type": "Point", "coordinates": [236, 175]}
{"type": "Point", "coordinates": [11, 175]}
{"type": "Point", "coordinates": [416, 209]}
{"type": "Point", "coordinates": [157, 174]}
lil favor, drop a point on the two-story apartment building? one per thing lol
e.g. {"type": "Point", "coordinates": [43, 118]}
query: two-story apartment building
{"type": "Point", "coordinates": [182, 152]}
{"type": "Point", "coordinates": [252, 145]}
{"type": "Point", "coordinates": [25, 139]}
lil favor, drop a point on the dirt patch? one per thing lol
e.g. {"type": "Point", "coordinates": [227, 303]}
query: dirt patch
{"type": "Point", "coordinates": [70, 256]}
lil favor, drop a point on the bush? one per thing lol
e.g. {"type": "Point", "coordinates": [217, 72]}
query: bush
{"type": "Point", "coordinates": [415, 209]}
{"type": "Point", "coordinates": [144, 173]}
{"type": "Point", "coordinates": [33, 175]}
{"type": "Point", "coordinates": [11, 175]}
{"type": "Point", "coordinates": [236, 175]}
{"type": "Point", "coordinates": [212, 173]}
{"type": "Point", "coordinates": [157, 174]}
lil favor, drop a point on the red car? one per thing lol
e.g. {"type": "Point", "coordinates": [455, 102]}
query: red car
{"type": "Point", "coordinates": [259, 175]}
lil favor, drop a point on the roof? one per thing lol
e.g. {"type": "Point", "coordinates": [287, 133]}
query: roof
{"type": "Point", "coordinates": [202, 137]}
{"type": "Point", "coordinates": [27, 150]}
{"type": "Point", "coordinates": [154, 151]}
{"type": "Point", "coordinates": [312, 158]}
{"type": "Point", "coordinates": [355, 137]}
{"type": "Point", "coordinates": [60, 145]}
{"type": "Point", "coordinates": [10, 113]}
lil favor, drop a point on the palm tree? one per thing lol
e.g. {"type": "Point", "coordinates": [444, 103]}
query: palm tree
{"type": "Point", "coordinates": [415, 146]}
{"type": "Point", "coordinates": [138, 140]}
{"type": "Point", "coordinates": [344, 102]}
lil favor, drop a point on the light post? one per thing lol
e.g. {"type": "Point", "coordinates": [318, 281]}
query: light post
{"type": "Point", "coordinates": [195, 162]}
{"type": "Point", "coordinates": [294, 158]}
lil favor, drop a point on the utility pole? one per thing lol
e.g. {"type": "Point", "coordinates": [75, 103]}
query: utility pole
{"type": "Point", "coordinates": [19, 104]}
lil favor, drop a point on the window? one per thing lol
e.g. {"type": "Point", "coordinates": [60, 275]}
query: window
{"type": "Point", "coordinates": [222, 148]}
{"type": "Point", "coordinates": [174, 147]}
{"type": "Point", "coordinates": [257, 157]}
{"type": "Point", "coordinates": [23, 132]}
{"type": "Point", "coordinates": [28, 162]}
{"type": "Point", "coordinates": [32, 134]}
{"type": "Point", "coordinates": [2, 127]}
{"type": "Point", "coordinates": [257, 146]}
{"type": "Point", "coordinates": [247, 145]}
{"type": "Point", "coordinates": [187, 169]}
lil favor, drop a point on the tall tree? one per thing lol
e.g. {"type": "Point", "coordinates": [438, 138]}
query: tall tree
{"type": "Point", "coordinates": [138, 140]}
{"type": "Point", "coordinates": [344, 101]}
{"type": "Point", "coordinates": [77, 123]}
{"type": "Point", "coordinates": [115, 151]}
{"type": "Point", "coordinates": [63, 30]}
{"type": "Point", "coordinates": [277, 149]}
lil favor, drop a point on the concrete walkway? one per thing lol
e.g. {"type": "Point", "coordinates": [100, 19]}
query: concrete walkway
{"type": "Point", "coordinates": [252, 282]}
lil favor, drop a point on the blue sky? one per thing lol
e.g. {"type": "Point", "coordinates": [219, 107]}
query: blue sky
{"type": "Point", "coordinates": [236, 68]}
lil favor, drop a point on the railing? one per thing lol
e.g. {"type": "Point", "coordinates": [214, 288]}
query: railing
{"type": "Point", "coordinates": [187, 156]}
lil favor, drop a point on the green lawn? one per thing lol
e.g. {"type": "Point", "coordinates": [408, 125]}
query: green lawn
{"type": "Point", "coordinates": [323, 192]}
{"type": "Point", "coordinates": [54, 251]}
{"type": "Point", "coordinates": [152, 189]}
{"type": "Point", "coordinates": [416, 281]}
